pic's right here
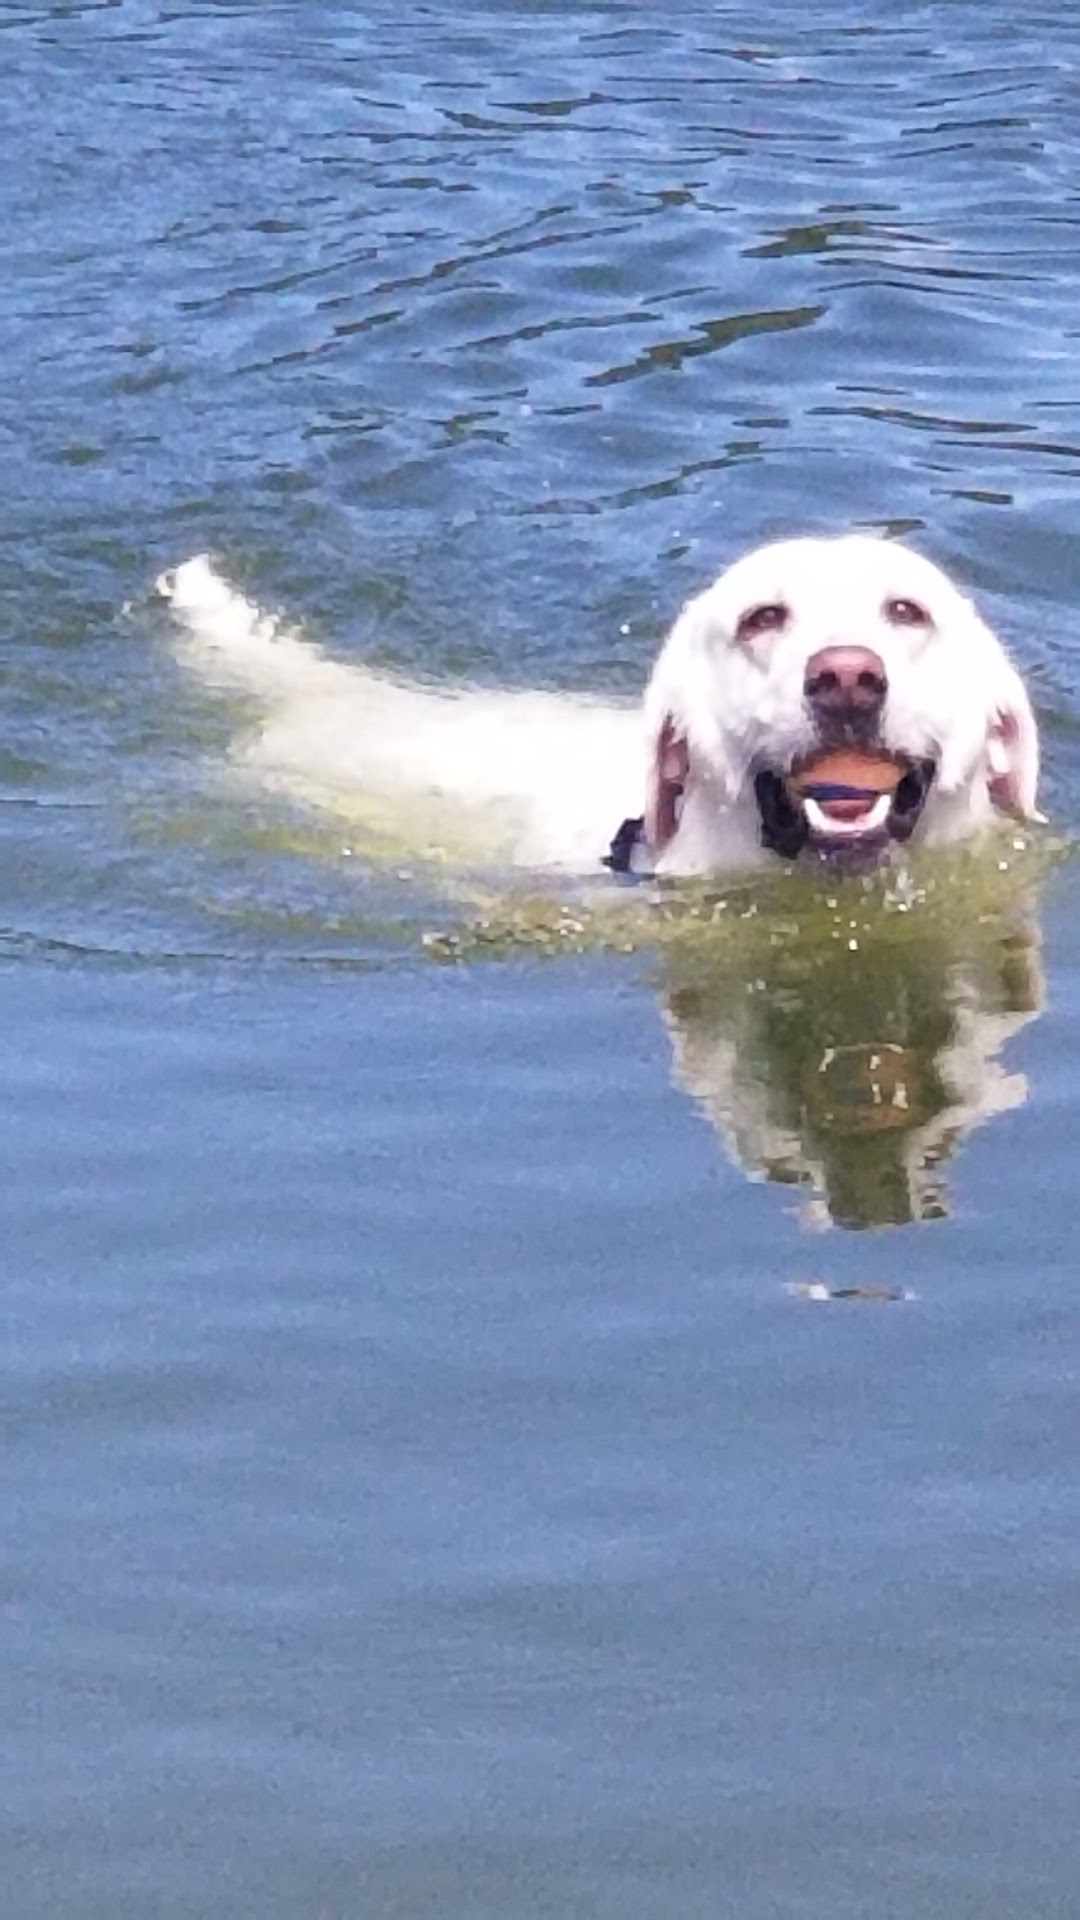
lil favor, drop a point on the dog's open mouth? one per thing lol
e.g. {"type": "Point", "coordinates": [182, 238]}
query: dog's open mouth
{"type": "Point", "coordinates": [843, 799]}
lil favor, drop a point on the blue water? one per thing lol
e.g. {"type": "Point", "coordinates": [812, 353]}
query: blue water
{"type": "Point", "coordinates": [435, 1483]}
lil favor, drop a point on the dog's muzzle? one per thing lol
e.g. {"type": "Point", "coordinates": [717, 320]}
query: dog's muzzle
{"type": "Point", "coordinates": [841, 820]}
{"type": "Point", "coordinates": [849, 796]}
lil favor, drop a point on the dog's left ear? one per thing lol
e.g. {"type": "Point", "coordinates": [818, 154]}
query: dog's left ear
{"type": "Point", "coordinates": [670, 764]}
{"type": "Point", "coordinates": [1012, 754]}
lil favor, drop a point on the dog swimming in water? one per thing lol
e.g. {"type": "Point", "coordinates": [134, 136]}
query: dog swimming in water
{"type": "Point", "coordinates": [825, 699]}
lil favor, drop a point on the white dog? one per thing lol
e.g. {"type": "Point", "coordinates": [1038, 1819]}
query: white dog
{"type": "Point", "coordinates": [827, 696]}
{"type": "Point", "coordinates": [824, 697]}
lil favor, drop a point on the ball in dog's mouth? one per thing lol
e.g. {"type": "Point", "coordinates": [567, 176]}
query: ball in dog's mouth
{"type": "Point", "coordinates": [846, 792]}
{"type": "Point", "coordinates": [843, 797]}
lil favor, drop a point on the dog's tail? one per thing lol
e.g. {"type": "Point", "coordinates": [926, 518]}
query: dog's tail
{"type": "Point", "coordinates": [533, 778]}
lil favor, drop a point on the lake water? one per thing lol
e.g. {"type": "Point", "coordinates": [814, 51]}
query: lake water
{"type": "Point", "coordinates": [512, 1412]}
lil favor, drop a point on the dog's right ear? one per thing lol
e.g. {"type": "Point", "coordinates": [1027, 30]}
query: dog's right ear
{"type": "Point", "coordinates": [668, 769]}
{"type": "Point", "coordinates": [1013, 754]}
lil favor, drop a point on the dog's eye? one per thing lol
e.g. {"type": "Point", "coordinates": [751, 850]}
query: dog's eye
{"type": "Point", "coordinates": [770, 617]}
{"type": "Point", "coordinates": [906, 613]}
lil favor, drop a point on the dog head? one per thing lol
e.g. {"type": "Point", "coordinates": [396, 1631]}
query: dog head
{"type": "Point", "coordinates": [837, 696]}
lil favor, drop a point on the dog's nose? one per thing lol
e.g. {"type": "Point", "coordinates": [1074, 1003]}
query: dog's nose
{"type": "Point", "coordinates": [845, 683]}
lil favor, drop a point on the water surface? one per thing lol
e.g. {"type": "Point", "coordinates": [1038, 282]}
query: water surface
{"type": "Point", "coordinates": [435, 1485]}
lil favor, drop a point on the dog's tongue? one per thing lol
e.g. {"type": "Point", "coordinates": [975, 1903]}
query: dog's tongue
{"type": "Point", "coordinates": [846, 785]}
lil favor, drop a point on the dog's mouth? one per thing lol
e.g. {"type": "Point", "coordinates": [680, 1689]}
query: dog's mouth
{"type": "Point", "coordinates": [842, 800]}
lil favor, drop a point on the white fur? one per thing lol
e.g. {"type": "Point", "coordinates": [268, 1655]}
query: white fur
{"type": "Point", "coordinates": [953, 693]}
{"type": "Point", "coordinates": [543, 779]}
{"type": "Point", "coordinates": [464, 774]}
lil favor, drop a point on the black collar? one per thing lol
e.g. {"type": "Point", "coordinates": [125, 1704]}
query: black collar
{"type": "Point", "coordinates": [620, 856]}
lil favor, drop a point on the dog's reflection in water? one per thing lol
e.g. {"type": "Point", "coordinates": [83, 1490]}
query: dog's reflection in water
{"type": "Point", "coordinates": [849, 1056]}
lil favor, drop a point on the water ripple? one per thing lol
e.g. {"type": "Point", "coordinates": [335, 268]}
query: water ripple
{"type": "Point", "coordinates": [408, 313]}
